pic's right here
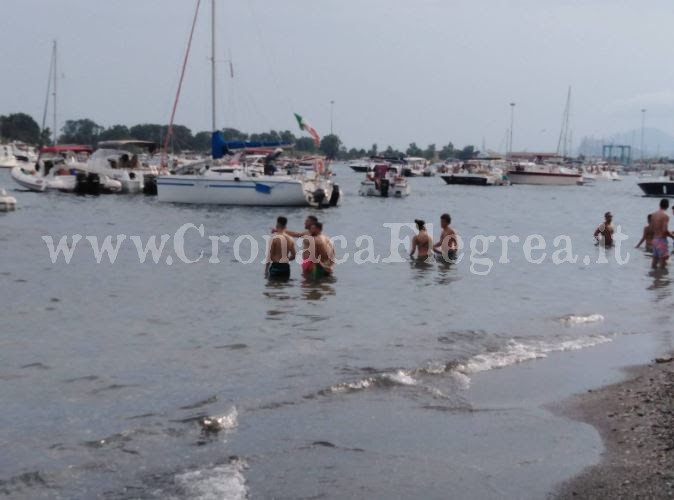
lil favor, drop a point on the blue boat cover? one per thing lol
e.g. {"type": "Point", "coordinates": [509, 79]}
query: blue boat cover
{"type": "Point", "coordinates": [220, 147]}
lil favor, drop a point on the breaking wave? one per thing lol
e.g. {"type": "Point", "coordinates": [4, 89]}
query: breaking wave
{"type": "Point", "coordinates": [221, 482]}
{"type": "Point", "coordinates": [579, 319]}
{"type": "Point", "coordinates": [513, 352]}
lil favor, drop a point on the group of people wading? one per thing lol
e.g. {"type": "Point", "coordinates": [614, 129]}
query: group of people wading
{"type": "Point", "coordinates": [318, 252]}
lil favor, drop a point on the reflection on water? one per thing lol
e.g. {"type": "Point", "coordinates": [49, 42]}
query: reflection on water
{"type": "Point", "coordinates": [315, 289]}
{"type": "Point", "coordinates": [660, 283]}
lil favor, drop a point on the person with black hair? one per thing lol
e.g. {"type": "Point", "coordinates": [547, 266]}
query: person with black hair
{"type": "Point", "coordinates": [448, 245]}
{"type": "Point", "coordinates": [281, 252]}
{"type": "Point", "coordinates": [422, 243]}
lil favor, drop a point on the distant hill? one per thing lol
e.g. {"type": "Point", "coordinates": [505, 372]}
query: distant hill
{"type": "Point", "coordinates": [656, 143]}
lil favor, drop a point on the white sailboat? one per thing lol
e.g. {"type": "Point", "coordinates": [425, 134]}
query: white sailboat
{"type": "Point", "coordinates": [244, 186]}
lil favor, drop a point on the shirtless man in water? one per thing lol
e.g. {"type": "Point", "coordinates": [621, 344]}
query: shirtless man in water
{"type": "Point", "coordinates": [319, 254]}
{"type": "Point", "coordinates": [311, 219]}
{"type": "Point", "coordinates": [448, 244]}
{"type": "Point", "coordinates": [605, 230]}
{"type": "Point", "coordinates": [281, 251]}
{"type": "Point", "coordinates": [660, 228]}
{"type": "Point", "coordinates": [422, 243]}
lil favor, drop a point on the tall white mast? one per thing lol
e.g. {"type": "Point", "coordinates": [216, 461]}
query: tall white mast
{"type": "Point", "coordinates": [213, 124]}
{"type": "Point", "coordinates": [563, 144]}
{"type": "Point", "coordinates": [55, 132]}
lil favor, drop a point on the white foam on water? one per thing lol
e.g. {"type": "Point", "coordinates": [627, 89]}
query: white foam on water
{"type": "Point", "coordinates": [575, 319]}
{"type": "Point", "coordinates": [399, 377]}
{"type": "Point", "coordinates": [517, 352]}
{"type": "Point", "coordinates": [224, 482]}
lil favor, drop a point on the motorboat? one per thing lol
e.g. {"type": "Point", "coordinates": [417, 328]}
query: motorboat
{"type": "Point", "coordinates": [476, 173]}
{"type": "Point", "coordinates": [601, 172]}
{"type": "Point", "coordinates": [123, 161]}
{"type": "Point", "coordinates": [17, 154]}
{"type": "Point", "coordinates": [385, 180]}
{"type": "Point", "coordinates": [7, 202]}
{"type": "Point", "coordinates": [361, 166]}
{"type": "Point", "coordinates": [659, 186]}
{"type": "Point", "coordinates": [64, 168]}
{"type": "Point", "coordinates": [544, 174]}
{"type": "Point", "coordinates": [414, 166]}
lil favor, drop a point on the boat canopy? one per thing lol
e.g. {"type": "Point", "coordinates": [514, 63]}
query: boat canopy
{"type": "Point", "coordinates": [125, 144]}
{"type": "Point", "coordinates": [220, 147]}
{"type": "Point", "coordinates": [65, 148]}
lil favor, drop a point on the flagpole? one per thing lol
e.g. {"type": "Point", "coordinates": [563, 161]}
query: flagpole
{"type": "Point", "coordinates": [213, 126]}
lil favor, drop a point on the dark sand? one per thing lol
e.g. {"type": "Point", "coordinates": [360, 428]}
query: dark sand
{"type": "Point", "coordinates": [636, 422]}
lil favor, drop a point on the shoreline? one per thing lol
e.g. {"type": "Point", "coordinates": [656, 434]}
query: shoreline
{"type": "Point", "coordinates": [635, 419]}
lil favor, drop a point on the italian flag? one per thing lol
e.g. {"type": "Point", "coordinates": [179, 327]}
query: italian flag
{"type": "Point", "coordinates": [312, 131]}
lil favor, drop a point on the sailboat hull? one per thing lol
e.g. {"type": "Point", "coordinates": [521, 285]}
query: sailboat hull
{"type": "Point", "coordinates": [202, 190]}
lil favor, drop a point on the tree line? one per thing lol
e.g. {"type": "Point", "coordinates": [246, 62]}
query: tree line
{"type": "Point", "coordinates": [22, 127]}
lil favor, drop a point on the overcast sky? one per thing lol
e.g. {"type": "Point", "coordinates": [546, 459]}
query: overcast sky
{"type": "Point", "coordinates": [428, 71]}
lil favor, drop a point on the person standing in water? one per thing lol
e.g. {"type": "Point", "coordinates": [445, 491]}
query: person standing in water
{"type": "Point", "coordinates": [448, 244]}
{"type": "Point", "coordinates": [319, 254]}
{"type": "Point", "coordinates": [422, 243]}
{"type": "Point", "coordinates": [647, 236]}
{"type": "Point", "coordinates": [311, 219]}
{"type": "Point", "coordinates": [660, 228]}
{"type": "Point", "coordinates": [605, 230]}
{"type": "Point", "coordinates": [281, 251]}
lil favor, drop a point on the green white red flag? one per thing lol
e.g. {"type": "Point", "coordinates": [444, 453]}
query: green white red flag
{"type": "Point", "coordinates": [311, 130]}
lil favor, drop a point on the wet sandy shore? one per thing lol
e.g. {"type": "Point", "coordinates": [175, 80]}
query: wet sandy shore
{"type": "Point", "coordinates": [635, 419]}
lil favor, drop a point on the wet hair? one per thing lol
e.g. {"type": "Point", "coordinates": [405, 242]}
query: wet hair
{"type": "Point", "coordinates": [282, 221]}
{"type": "Point", "coordinates": [312, 218]}
{"type": "Point", "coordinates": [649, 217]}
{"type": "Point", "coordinates": [319, 225]}
{"type": "Point", "coordinates": [664, 203]}
{"type": "Point", "coordinates": [446, 217]}
{"type": "Point", "coordinates": [420, 224]}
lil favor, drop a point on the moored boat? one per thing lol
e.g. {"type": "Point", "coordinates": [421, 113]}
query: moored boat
{"type": "Point", "coordinates": [63, 168]}
{"type": "Point", "coordinates": [662, 185]}
{"type": "Point", "coordinates": [385, 180]}
{"type": "Point", "coordinates": [544, 175]}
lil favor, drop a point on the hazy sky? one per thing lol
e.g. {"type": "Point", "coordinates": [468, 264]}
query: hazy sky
{"type": "Point", "coordinates": [428, 71]}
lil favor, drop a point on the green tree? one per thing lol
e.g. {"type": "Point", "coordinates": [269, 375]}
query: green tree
{"type": "Point", "coordinates": [20, 127]}
{"type": "Point", "coordinates": [148, 132]}
{"type": "Point", "coordinates": [447, 152]}
{"type": "Point", "coordinates": [114, 133]}
{"type": "Point", "coordinates": [82, 131]}
{"type": "Point", "coordinates": [45, 137]}
{"type": "Point", "coordinates": [430, 152]}
{"type": "Point", "coordinates": [232, 134]}
{"type": "Point", "coordinates": [373, 150]}
{"type": "Point", "coordinates": [330, 145]}
{"type": "Point", "coordinates": [305, 145]}
{"type": "Point", "coordinates": [467, 153]}
{"type": "Point", "coordinates": [414, 150]}
{"type": "Point", "coordinates": [201, 141]}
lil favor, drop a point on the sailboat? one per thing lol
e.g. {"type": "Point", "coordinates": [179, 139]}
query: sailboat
{"type": "Point", "coordinates": [210, 183]}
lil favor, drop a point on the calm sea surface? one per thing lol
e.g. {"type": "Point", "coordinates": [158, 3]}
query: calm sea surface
{"type": "Point", "coordinates": [384, 382]}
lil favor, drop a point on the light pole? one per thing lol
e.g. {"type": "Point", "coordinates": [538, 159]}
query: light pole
{"type": "Point", "coordinates": [643, 123]}
{"type": "Point", "coordinates": [332, 109]}
{"type": "Point", "coordinates": [512, 124]}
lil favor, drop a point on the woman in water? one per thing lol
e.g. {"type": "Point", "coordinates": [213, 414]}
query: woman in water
{"type": "Point", "coordinates": [422, 243]}
{"type": "Point", "coordinates": [647, 237]}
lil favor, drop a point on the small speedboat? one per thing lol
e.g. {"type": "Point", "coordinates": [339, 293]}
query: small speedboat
{"type": "Point", "coordinates": [7, 202]}
{"type": "Point", "coordinates": [59, 169]}
{"type": "Point", "coordinates": [385, 181]}
{"type": "Point", "coordinates": [658, 186]}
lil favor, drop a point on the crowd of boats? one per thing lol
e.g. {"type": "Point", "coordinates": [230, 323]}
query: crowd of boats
{"type": "Point", "coordinates": [493, 170]}
{"type": "Point", "coordinates": [247, 176]}
{"type": "Point", "coordinates": [260, 175]}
